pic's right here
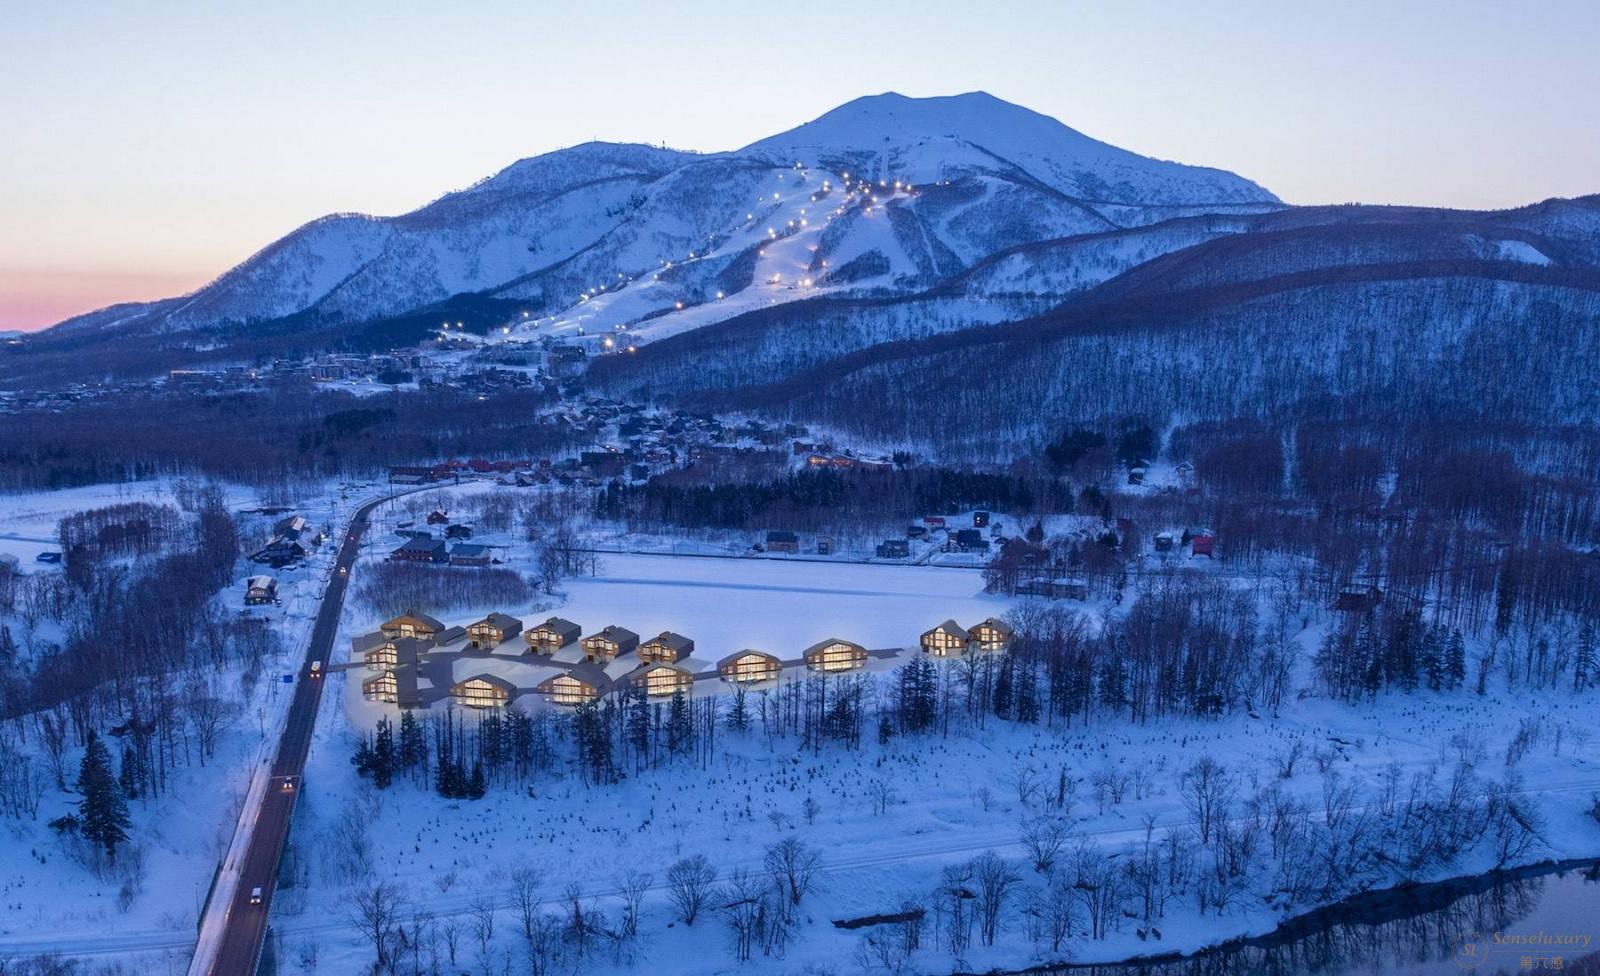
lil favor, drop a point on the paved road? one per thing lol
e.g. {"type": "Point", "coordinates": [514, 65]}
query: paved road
{"type": "Point", "coordinates": [245, 923]}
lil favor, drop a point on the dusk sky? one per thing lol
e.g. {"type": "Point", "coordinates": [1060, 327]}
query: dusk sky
{"type": "Point", "coordinates": [148, 147]}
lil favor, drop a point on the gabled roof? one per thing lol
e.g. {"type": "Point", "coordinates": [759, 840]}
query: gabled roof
{"type": "Point", "coordinates": [819, 645]}
{"type": "Point", "coordinates": [362, 643]}
{"type": "Point", "coordinates": [671, 641]}
{"type": "Point", "coordinates": [260, 583]}
{"type": "Point", "coordinates": [559, 625]}
{"type": "Point", "coordinates": [449, 635]}
{"type": "Point", "coordinates": [423, 545]}
{"type": "Point", "coordinates": [953, 629]}
{"type": "Point", "coordinates": [615, 634]}
{"type": "Point", "coordinates": [490, 679]}
{"type": "Point", "coordinates": [501, 621]}
{"type": "Point", "coordinates": [590, 674]}
{"type": "Point", "coordinates": [731, 659]}
{"type": "Point", "coordinates": [415, 619]}
{"type": "Point", "coordinates": [999, 625]}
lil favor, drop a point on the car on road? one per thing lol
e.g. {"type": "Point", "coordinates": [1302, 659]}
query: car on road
{"type": "Point", "coordinates": [316, 669]}
{"type": "Point", "coordinates": [255, 895]}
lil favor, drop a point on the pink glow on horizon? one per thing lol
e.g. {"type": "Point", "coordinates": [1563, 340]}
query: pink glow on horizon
{"type": "Point", "coordinates": [33, 300]}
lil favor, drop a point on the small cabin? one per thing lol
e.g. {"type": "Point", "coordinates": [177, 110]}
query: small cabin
{"type": "Point", "coordinates": [582, 683]}
{"type": "Point", "coordinates": [470, 554]}
{"type": "Point", "coordinates": [493, 630]}
{"type": "Point", "coordinates": [412, 624]}
{"type": "Point", "coordinates": [437, 517]}
{"type": "Point", "coordinates": [949, 639]}
{"type": "Point", "coordinates": [259, 590]}
{"type": "Point", "coordinates": [1203, 545]}
{"type": "Point", "coordinates": [834, 654]}
{"type": "Point", "coordinates": [781, 541]}
{"type": "Point", "coordinates": [482, 691]}
{"type": "Point", "coordinates": [666, 647]}
{"type": "Point", "coordinates": [552, 635]}
{"type": "Point", "coordinates": [749, 667]}
{"type": "Point", "coordinates": [1359, 601]}
{"type": "Point", "coordinates": [661, 680]}
{"type": "Point", "coordinates": [991, 635]}
{"type": "Point", "coordinates": [610, 643]}
{"type": "Point", "coordinates": [893, 549]}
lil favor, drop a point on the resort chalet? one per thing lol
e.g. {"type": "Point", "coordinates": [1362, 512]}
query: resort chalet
{"type": "Point", "coordinates": [259, 590]}
{"type": "Point", "coordinates": [609, 643]}
{"type": "Point", "coordinates": [749, 667]}
{"type": "Point", "coordinates": [493, 630]}
{"type": "Point", "coordinates": [660, 680]}
{"type": "Point", "coordinates": [584, 682]}
{"type": "Point", "coordinates": [392, 652]}
{"type": "Point", "coordinates": [397, 686]}
{"type": "Point", "coordinates": [552, 635]}
{"type": "Point", "coordinates": [991, 635]}
{"type": "Point", "coordinates": [834, 654]}
{"type": "Point", "coordinates": [949, 639]}
{"type": "Point", "coordinates": [412, 624]}
{"type": "Point", "coordinates": [666, 647]}
{"type": "Point", "coordinates": [482, 691]}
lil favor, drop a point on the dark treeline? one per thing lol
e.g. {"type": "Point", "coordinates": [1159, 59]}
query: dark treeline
{"type": "Point", "coordinates": [813, 499]}
{"type": "Point", "coordinates": [288, 434]}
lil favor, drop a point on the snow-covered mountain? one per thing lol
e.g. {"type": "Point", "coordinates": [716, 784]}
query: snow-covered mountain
{"type": "Point", "coordinates": [886, 195]}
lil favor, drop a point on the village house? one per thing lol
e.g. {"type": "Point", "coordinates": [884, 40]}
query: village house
{"type": "Point", "coordinates": [412, 624]}
{"type": "Point", "coordinates": [458, 531]}
{"type": "Point", "coordinates": [991, 635]}
{"type": "Point", "coordinates": [893, 549]}
{"type": "Point", "coordinates": [552, 635]}
{"type": "Point", "coordinates": [666, 647]}
{"type": "Point", "coordinates": [280, 552]}
{"type": "Point", "coordinates": [482, 691]}
{"type": "Point", "coordinates": [780, 541]}
{"type": "Point", "coordinates": [750, 667]}
{"type": "Point", "coordinates": [422, 550]}
{"type": "Point", "coordinates": [1203, 545]}
{"type": "Point", "coordinates": [834, 654]}
{"type": "Point", "coordinates": [583, 682]}
{"type": "Point", "coordinates": [1359, 601]}
{"type": "Point", "coordinates": [949, 639]}
{"type": "Point", "coordinates": [661, 680]}
{"type": "Point", "coordinates": [609, 643]}
{"type": "Point", "coordinates": [259, 590]}
{"type": "Point", "coordinates": [437, 517]}
{"type": "Point", "coordinates": [493, 630]}
{"type": "Point", "coordinates": [470, 554]}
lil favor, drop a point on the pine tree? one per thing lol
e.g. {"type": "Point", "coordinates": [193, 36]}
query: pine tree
{"type": "Point", "coordinates": [885, 729]}
{"type": "Point", "coordinates": [680, 727]}
{"type": "Point", "coordinates": [738, 714]}
{"type": "Point", "coordinates": [638, 710]}
{"type": "Point", "coordinates": [362, 760]}
{"type": "Point", "coordinates": [477, 786]}
{"type": "Point", "coordinates": [103, 809]}
{"type": "Point", "coordinates": [413, 746]}
{"type": "Point", "coordinates": [383, 756]}
{"type": "Point", "coordinates": [128, 776]}
{"type": "Point", "coordinates": [1456, 660]}
{"type": "Point", "coordinates": [1583, 667]}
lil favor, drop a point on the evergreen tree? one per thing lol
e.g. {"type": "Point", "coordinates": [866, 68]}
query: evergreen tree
{"type": "Point", "coordinates": [1583, 666]}
{"type": "Point", "coordinates": [128, 777]}
{"type": "Point", "coordinates": [413, 746]}
{"type": "Point", "coordinates": [383, 756]}
{"type": "Point", "coordinates": [638, 711]}
{"type": "Point", "coordinates": [1001, 696]}
{"type": "Point", "coordinates": [739, 713]}
{"type": "Point", "coordinates": [103, 811]}
{"type": "Point", "coordinates": [362, 760]}
{"type": "Point", "coordinates": [680, 726]}
{"type": "Point", "coordinates": [477, 786]}
{"type": "Point", "coordinates": [1456, 660]}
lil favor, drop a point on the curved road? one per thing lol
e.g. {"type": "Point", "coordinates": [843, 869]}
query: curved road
{"type": "Point", "coordinates": [245, 923]}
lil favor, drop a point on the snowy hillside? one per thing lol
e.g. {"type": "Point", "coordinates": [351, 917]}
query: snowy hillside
{"type": "Point", "coordinates": [886, 195]}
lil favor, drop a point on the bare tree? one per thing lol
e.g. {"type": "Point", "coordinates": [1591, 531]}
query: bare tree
{"type": "Point", "coordinates": [1043, 838]}
{"type": "Point", "coordinates": [793, 867]}
{"type": "Point", "coordinates": [1207, 789]}
{"type": "Point", "coordinates": [690, 883]}
{"type": "Point", "coordinates": [633, 886]}
{"type": "Point", "coordinates": [993, 880]}
{"type": "Point", "coordinates": [376, 911]}
{"type": "Point", "coordinates": [482, 921]}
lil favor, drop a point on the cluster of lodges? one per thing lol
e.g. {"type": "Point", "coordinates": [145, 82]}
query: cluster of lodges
{"type": "Point", "coordinates": [950, 639]}
{"type": "Point", "coordinates": [609, 660]}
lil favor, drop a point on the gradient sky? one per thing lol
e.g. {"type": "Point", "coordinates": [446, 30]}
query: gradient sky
{"type": "Point", "coordinates": [147, 147]}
